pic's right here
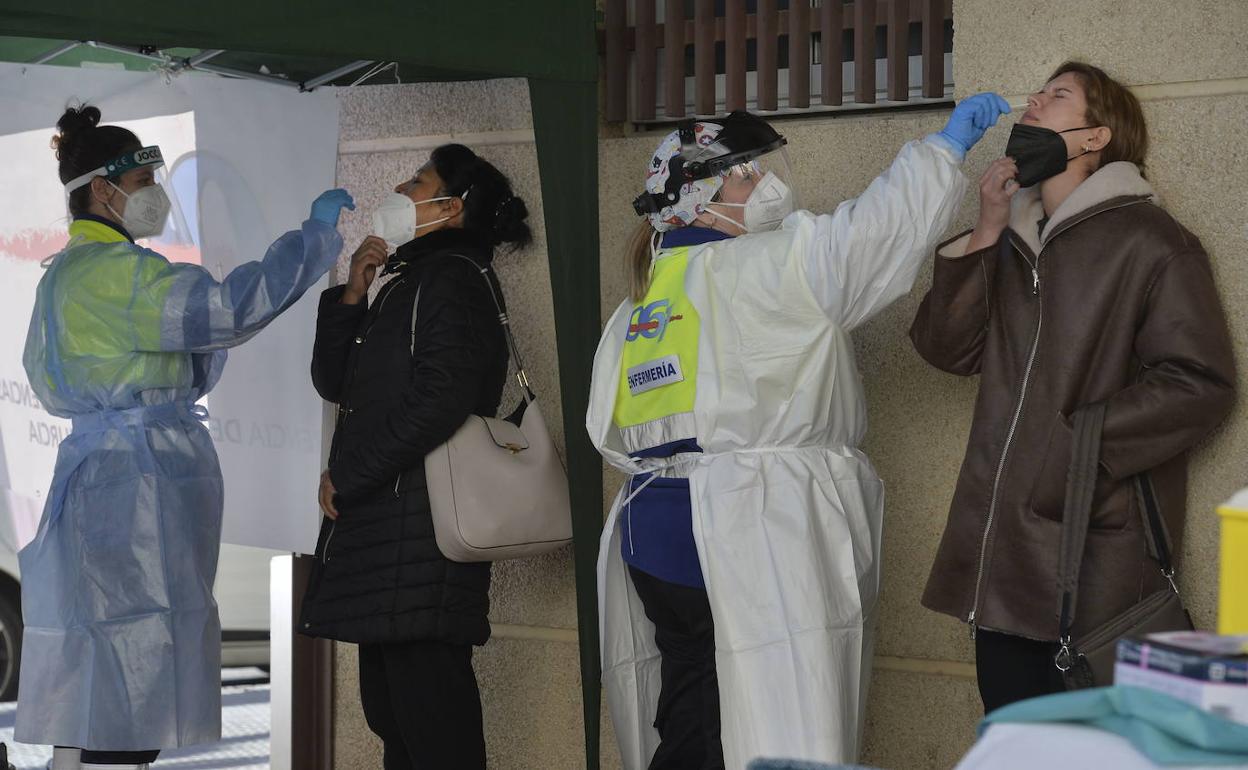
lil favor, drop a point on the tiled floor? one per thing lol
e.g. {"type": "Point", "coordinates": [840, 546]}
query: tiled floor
{"type": "Point", "coordinates": [244, 743]}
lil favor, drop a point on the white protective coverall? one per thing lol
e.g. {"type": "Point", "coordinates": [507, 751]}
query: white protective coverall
{"type": "Point", "coordinates": [787, 511]}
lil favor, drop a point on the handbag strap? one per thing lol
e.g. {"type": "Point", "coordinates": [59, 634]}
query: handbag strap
{"type": "Point", "coordinates": [522, 377]}
{"type": "Point", "coordinates": [1080, 488]}
{"type": "Point", "coordinates": [1155, 533]}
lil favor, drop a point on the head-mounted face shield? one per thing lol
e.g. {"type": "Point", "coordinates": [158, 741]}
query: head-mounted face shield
{"type": "Point", "coordinates": [741, 179]}
{"type": "Point", "coordinates": [113, 169]}
{"type": "Point", "coordinates": [756, 195]}
{"type": "Point", "coordinates": [725, 166]}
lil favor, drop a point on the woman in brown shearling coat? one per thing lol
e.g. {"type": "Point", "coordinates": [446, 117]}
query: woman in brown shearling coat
{"type": "Point", "coordinates": [1075, 290]}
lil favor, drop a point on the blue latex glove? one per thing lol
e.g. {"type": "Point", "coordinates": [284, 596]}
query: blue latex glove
{"type": "Point", "coordinates": [329, 204]}
{"type": "Point", "coordinates": [972, 117]}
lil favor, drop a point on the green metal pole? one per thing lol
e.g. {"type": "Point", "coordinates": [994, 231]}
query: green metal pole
{"type": "Point", "coordinates": [565, 120]}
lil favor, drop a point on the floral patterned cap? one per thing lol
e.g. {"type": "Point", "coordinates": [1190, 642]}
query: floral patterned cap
{"type": "Point", "coordinates": [695, 195]}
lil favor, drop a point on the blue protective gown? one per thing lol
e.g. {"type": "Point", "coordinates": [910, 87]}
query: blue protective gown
{"type": "Point", "coordinates": [122, 644]}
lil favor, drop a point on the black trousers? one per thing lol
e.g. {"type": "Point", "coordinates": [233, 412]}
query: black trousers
{"type": "Point", "coordinates": [117, 757]}
{"type": "Point", "coordinates": [1010, 668]}
{"type": "Point", "coordinates": [421, 699]}
{"type": "Point", "coordinates": [688, 713]}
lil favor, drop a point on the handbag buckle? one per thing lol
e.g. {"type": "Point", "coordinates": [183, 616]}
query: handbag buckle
{"type": "Point", "coordinates": [1169, 575]}
{"type": "Point", "coordinates": [1063, 657]}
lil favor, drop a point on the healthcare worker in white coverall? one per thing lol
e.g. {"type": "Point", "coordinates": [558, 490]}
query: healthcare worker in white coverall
{"type": "Point", "coordinates": [739, 566]}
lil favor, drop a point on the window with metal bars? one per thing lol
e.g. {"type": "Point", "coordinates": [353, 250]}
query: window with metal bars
{"type": "Point", "coordinates": [669, 59]}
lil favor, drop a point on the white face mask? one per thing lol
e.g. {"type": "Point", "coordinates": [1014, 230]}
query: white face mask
{"type": "Point", "coordinates": [146, 210]}
{"type": "Point", "coordinates": [769, 203]}
{"type": "Point", "coordinates": [394, 221]}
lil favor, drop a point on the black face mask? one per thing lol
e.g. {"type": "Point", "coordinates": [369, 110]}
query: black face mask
{"type": "Point", "coordinates": [1039, 152]}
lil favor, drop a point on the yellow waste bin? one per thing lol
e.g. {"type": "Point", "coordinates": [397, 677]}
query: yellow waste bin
{"type": "Point", "coordinates": [1233, 583]}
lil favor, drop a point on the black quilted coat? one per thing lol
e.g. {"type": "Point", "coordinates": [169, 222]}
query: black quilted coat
{"type": "Point", "coordinates": [379, 576]}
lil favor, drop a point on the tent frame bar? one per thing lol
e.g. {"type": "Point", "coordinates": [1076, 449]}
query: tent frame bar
{"type": "Point", "coordinates": [178, 65]}
{"type": "Point", "coordinates": [200, 61]}
{"type": "Point", "coordinates": [48, 56]}
{"type": "Point", "coordinates": [203, 57]}
{"type": "Point", "coordinates": [233, 73]}
{"type": "Point", "coordinates": [143, 53]}
{"type": "Point", "coordinates": [333, 75]}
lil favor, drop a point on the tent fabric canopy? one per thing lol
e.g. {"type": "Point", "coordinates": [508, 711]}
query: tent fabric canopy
{"type": "Point", "coordinates": [547, 40]}
{"type": "Point", "coordinates": [295, 70]}
{"type": "Point", "coordinates": [552, 43]}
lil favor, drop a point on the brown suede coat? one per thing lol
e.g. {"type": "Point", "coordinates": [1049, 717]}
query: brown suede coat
{"type": "Point", "coordinates": [1112, 301]}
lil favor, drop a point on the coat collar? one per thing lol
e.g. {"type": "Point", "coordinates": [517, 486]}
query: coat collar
{"type": "Point", "coordinates": [1112, 184]}
{"type": "Point", "coordinates": [458, 240]}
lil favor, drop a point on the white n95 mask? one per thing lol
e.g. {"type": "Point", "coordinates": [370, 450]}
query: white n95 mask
{"type": "Point", "coordinates": [769, 203]}
{"type": "Point", "coordinates": [146, 210]}
{"type": "Point", "coordinates": [394, 221]}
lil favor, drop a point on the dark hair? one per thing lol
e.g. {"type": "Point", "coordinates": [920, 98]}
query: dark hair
{"type": "Point", "coordinates": [1111, 104]}
{"type": "Point", "coordinates": [490, 207]}
{"type": "Point", "coordinates": [82, 145]}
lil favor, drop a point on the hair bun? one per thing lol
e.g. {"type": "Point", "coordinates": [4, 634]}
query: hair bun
{"type": "Point", "coordinates": [507, 209]}
{"type": "Point", "coordinates": [509, 224]}
{"type": "Point", "coordinates": [72, 124]}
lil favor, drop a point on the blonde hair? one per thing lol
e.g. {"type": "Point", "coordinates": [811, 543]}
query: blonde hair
{"type": "Point", "coordinates": [638, 258]}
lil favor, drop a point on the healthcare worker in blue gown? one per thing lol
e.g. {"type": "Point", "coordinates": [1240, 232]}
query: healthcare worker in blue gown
{"type": "Point", "coordinates": [122, 644]}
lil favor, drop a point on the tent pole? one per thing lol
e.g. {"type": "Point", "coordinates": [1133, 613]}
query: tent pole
{"type": "Point", "coordinates": [203, 56]}
{"type": "Point", "coordinates": [330, 77]}
{"type": "Point", "coordinates": [55, 52]}
{"type": "Point", "coordinates": [129, 50]}
{"type": "Point", "coordinates": [565, 124]}
{"type": "Point", "coordinates": [233, 73]}
{"type": "Point", "coordinates": [199, 62]}
{"type": "Point", "coordinates": [185, 63]}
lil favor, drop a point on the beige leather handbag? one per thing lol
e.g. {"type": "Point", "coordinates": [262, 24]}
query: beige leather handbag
{"type": "Point", "coordinates": [497, 488]}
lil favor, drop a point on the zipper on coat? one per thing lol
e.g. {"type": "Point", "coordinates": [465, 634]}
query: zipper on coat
{"type": "Point", "coordinates": [1009, 440]}
{"type": "Point", "coordinates": [1022, 398]}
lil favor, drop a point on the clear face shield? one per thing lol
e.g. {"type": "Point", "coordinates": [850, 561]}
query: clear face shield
{"type": "Point", "coordinates": [757, 194]}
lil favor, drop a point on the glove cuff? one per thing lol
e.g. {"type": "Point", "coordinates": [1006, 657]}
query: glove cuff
{"type": "Point", "coordinates": [954, 146]}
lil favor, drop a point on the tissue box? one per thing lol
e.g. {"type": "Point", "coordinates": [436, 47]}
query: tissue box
{"type": "Point", "coordinates": [1201, 668]}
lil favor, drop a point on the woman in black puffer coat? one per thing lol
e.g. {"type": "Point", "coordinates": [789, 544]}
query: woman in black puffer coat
{"type": "Point", "coordinates": [379, 578]}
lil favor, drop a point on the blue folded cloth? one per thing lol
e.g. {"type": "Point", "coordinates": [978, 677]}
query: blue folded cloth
{"type": "Point", "coordinates": [1166, 730]}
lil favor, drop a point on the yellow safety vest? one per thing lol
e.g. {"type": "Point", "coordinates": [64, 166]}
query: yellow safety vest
{"type": "Point", "coordinates": [122, 345]}
{"type": "Point", "coordinates": [659, 362]}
